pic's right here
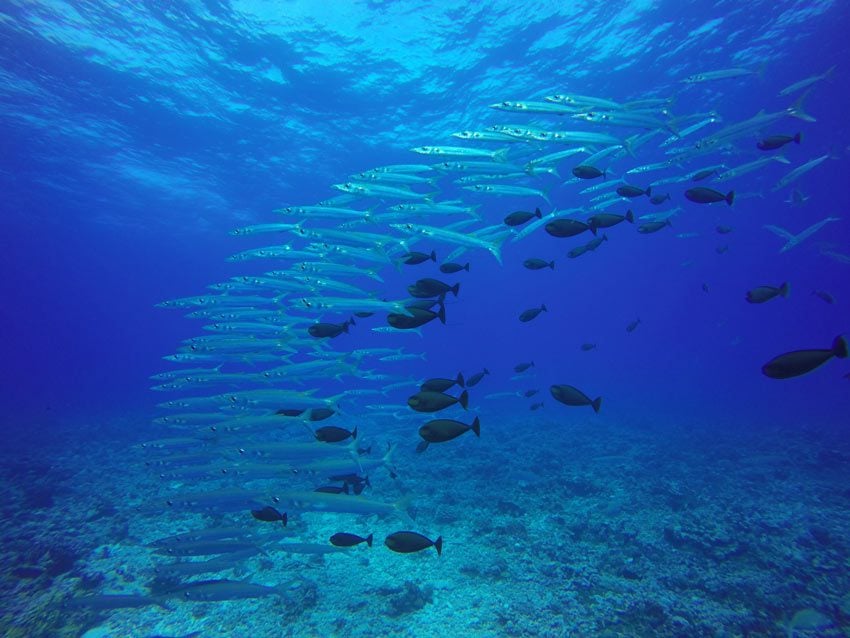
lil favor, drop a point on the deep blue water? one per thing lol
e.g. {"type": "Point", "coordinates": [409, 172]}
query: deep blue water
{"type": "Point", "coordinates": [133, 139]}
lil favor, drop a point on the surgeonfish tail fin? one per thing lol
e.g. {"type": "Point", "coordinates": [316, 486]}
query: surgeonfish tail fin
{"type": "Point", "coordinates": [501, 155]}
{"type": "Point", "coordinates": [596, 404]}
{"type": "Point", "coordinates": [463, 399]}
{"type": "Point", "coordinates": [730, 197]}
{"type": "Point", "coordinates": [649, 191]}
{"type": "Point", "coordinates": [798, 138]}
{"type": "Point", "coordinates": [539, 215]}
{"type": "Point", "coordinates": [369, 540]}
{"type": "Point", "coordinates": [441, 315]}
{"type": "Point", "coordinates": [460, 380]}
{"type": "Point", "coordinates": [783, 289]}
{"type": "Point", "coordinates": [796, 109]}
{"type": "Point", "coordinates": [438, 545]}
{"type": "Point", "coordinates": [284, 519]}
{"type": "Point", "coordinates": [839, 347]}
{"type": "Point", "coordinates": [476, 426]}
{"type": "Point", "coordinates": [402, 508]}
{"type": "Point", "coordinates": [456, 289]}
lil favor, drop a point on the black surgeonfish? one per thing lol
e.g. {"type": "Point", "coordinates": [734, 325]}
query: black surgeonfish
{"type": "Point", "coordinates": [778, 141]}
{"type": "Point", "coordinates": [442, 430]}
{"type": "Point", "coordinates": [606, 220]}
{"type": "Point", "coordinates": [320, 414]}
{"type": "Point", "coordinates": [766, 293]}
{"type": "Point", "coordinates": [436, 401]}
{"type": "Point", "coordinates": [569, 395]}
{"type": "Point", "coordinates": [451, 268]}
{"type": "Point", "coordinates": [522, 367]}
{"type": "Point", "coordinates": [632, 325]}
{"type": "Point", "coordinates": [413, 258]}
{"type": "Point", "coordinates": [703, 195]}
{"type": "Point", "coordinates": [793, 364]}
{"type": "Point", "coordinates": [659, 199]}
{"type": "Point", "coordinates": [409, 542]}
{"type": "Point", "coordinates": [566, 227]}
{"type": "Point", "coordinates": [344, 539]}
{"type": "Point", "coordinates": [429, 287]}
{"type": "Point", "coordinates": [269, 515]}
{"type": "Point", "coordinates": [590, 246]}
{"type": "Point", "coordinates": [723, 230]}
{"type": "Point", "coordinates": [823, 294]}
{"type": "Point", "coordinates": [329, 330]}
{"type": "Point", "coordinates": [527, 315]}
{"type": "Point", "coordinates": [587, 347]}
{"type": "Point", "coordinates": [475, 378]}
{"type": "Point", "coordinates": [441, 385]}
{"type": "Point", "coordinates": [627, 190]}
{"type": "Point", "coordinates": [583, 171]}
{"type": "Point", "coordinates": [420, 317]}
{"type": "Point", "coordinates": [519, 217]}
{"type": "Point", "coordinates": [538, 264]}
{"type": "Point", "coordinates": [334, 434]}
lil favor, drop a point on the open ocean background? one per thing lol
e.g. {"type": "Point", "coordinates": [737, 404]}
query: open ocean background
{"type": "Point", "coordinates": [704, 499]}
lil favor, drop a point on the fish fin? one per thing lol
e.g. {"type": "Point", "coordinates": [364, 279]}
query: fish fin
{"type": "Point", "coordinates": [463, 399]}
{"type": "Point", "coordinates": [460, 380]}
{"type": "Point", "coordinates": [438, 545]}
{"type": "Point", "coordinates": [501, 155]}
{"type": "Point", "coordinates": [730, 197]}
{"type": "Point", "coordinates": [839, 347]}
{"type": "Point", "coordinates": [369, 540]}
{"type": "Point", "coordinates": [797, 110]}
{"type": "Point", "coordinates": [402, 508]}
{"type": "Point", "coordinates": [779, 231]}
{"type": "Point", "coordinates": [476, 427]}
{"type": "Point", "coordinates": [596, 404]}
{"type": "Point", "coordinates": [783, 289]}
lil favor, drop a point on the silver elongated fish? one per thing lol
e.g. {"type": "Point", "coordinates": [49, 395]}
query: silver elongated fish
{"type": "Point", "coordinates": [794, 240]}
{"type": "Point", "coordinates": [801, 170]}
{"type": "Point", "coordinates": [506, 189]}
{"type": "Point", "coordinates": [452, 237]}
{"type": "Point", "coordinates": [378, 190]}
{"type": "Point", "coordinates": [749, 167]}
{"type": "Point", "coordinates": [343, 504]}
{"type": "Point", "coordinates": [461, 151]}
{"type": "Point", "coordinates": [807, 82]}
{"type": "Point", "coordinates": [262, 228]}
{"type": "Point", "coordinates": [722, 74]}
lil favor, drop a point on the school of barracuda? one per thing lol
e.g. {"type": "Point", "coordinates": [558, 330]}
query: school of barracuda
{"type": "Point", "coordinates": [255, 440]}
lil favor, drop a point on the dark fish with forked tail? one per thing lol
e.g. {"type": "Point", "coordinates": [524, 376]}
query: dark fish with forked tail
{"type": "Point", "coordinates": [409, 542]}
{"type": "Point", "coordinates": [704, 195]}
{"type": "Point", "coordinates": [570, 395]}
{"type": "Point", "coordinates": [435, 401]}
{"type": "Point", "coordinates": [766, 293]}
{"type": "Point", "coordinates": [442, 430]}
{"type": "Point", "coordinates": [793, 364]}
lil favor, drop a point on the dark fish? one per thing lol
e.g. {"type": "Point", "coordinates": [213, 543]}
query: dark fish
{"type": "Point", "coordinates": [569, 395]}
{"type": "Point", "coordinates": [590, 246]}
{"type": "Point", "coordinates": [531, 313]}
{"type": "Point", "coordinates": [578, 251]}
{"type": "Point", "coordinates": [409, 542]}
{"type": "Point", "coordinates": [435, 401]}
{"type": "Point", "coordinates": [793, 364]}
{"type": "Point", "coordinates": [530, 393]}
{"type": "Point", "coordinates": [659, 199]}
{"type": "Point", "coordinates": [538, 264]}
{"type": "Point", "coordinates": [723, 230]}
{"type": "Point", "coordinates": [333, 434]}
{"type": "Point", "coordinates": [634, 324]}
{"type": "Point", "coordinates": [823, 294]}
{"type": "Point", "coordinates": [522, 367]}
{"type": "Point", "coordinates": [722, 249]}
{"type": "Point", "coordinates": [320, 414]}
{"type": "Point", "coordinates": [442, 430]}
{"type": "Point", "coordinates": [703, 195]}
{"type": "Point", "coordinates": [363, 314]}
{"type": "Point", "coordinates": [583, 171]}
{"type": "Point", "coordinates": [705, 287]}
{"type": "Point", "coordinates": [701, 175]}
{"type": "Point", "coordinates": [422, 446]}
{"type": "Point", "coordinates": [269, 515]}
{"type": "Point", "coordinates": [653, 227]}
{"type": "Point", "coordinates": [475, 378]}
{"type": "Point", "coordinates": [343, 539]}
{"type": "Point", "coordinates": [420, 318]}
{"type": "Point", "coordinates": [606, 220]}
{"type": "Point", "coordinates": [778, 141]}
{"type": "Point", "coordinates": [290, 411]}
{"type": "Point", "coordinates": [627, 190]}
{"type": "Point", "coordinates": [431, 288]}
{"type": "Point", "coordinates": [536, 406]}
{"type": "Point", "coordinates": [333, 489]}
{"type": "Point", "coordinates": [587, 347]}
{"type": "Point", "coordinates": [451, 268]}
{"type": "Point", "coordinates": [766, 293]}
{"type": "Point", "coordinates": [566, 227]}
{"type": "Point", "coordinates": [329, 330]}
{"type": "Point", "coordinates": [441, 385]}
{"type": "Point", "coordinates": [413, 258]}
{"type": "Point", "coordinates": [519, 217]}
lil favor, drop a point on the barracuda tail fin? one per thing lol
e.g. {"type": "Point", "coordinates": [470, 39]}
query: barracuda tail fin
{"type": "Point", "coordinates": [796, 109]}
{"type": "Point", "coordinates": [402, 507]}
{"type": "Point", "coordinates": [501, 155]}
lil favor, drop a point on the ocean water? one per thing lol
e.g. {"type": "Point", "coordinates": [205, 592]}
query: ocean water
{"type": "Point", "coordinates": [703, 499]}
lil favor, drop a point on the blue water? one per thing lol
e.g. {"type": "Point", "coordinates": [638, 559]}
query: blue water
{"type": "Point", "coordinates": [134, 139]}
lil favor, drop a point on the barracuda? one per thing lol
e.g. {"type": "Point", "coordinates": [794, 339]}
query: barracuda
{"type": "Point", "coordinates": [451, 237]}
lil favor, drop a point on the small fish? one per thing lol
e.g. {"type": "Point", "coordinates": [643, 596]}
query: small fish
{"type": "Point", "coordinates": [269, 515]}
{"type": "Point", "coordinates": [766, 293]}
{"type": "Point", "coordinates": [778, 141]}
{"type": "Point", "coordinates": [451, 268]}
{"type": "Point", "coordinates": [587, 347]}
{"type": "Point", "coordinates": [705, 287]}
{"type": "Point", "coordinates": [538, 264]}
{"type": "Point", "coordinates": [723, 230]}
{"type": "Point", "coordinates": [329, 330]}
{"type": "Point", "coordinates": [634, 324]}
{"type": "Point", "coordinates": [659, 199]}
{"type": "Point", "coordinates": [442, 430]}
{"type": "Point", "coordinates": [566, 227]}
{"type": "Point", "coordinates": [519, 217]}
{"type": "Point", "coordinates": [823, 294]}
{"type": "Point", "coordinates": [536, 406]}
{"type": "Point", "coordinates": [475, 378]}
{"type": "Point", "coordinates": [798, 362]}
{"type": "Point", "coordinates": [627, 190]}
{"type": "Point", "coordinates": [704, 195]}
{"type": "Point", "coordinates": [413, 258]}
{"type": "Point", "coordinates": [530, 393]}
{"type": "Point", "coordinates": [588, 172]}
{"type": "Point", "coordinates": [435, 401]}
{"type": "Point", "coordinates": [722, 249]}
{"type": "Point", "coordinates": [441, 385]}
{"type": "Point", "coordinates": [343, 539]}
{"type": "Point", "coordinates": [569, 395]}
{"type": "Point", "coordinates": [527, 315]}
{"type": "Point", "coordinates": [522, 367]}
{"type": "Point", "coordinates": [409, 542]}
{"type": "Point", "coordinates": [653, 227]}
{"type": "Point", "coordinates": [333, 434]}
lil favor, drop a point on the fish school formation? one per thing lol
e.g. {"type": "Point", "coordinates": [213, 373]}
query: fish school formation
{"type": "Point", "coordinates": [256, 438]}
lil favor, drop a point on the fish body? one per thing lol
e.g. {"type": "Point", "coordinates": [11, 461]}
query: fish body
{"type": "Point", "coordinates": [269, 515]}
{"type": "Point", "coordinates": [476, 378]}
{"type": "Point", "coordinates": [766, 293]}
{"type": "Point", "coordinates": [703, 195]}
{"type": "Point", "coordinates": [653, 227]}
{"type": "Point", "coordinates": [522, 367]}
{"type": "Point", "coordinates": [442, 430]}
{"type": "Point", "coordinates": [565, 227]}
{"type": "Point", "coordinates": [570, 395]}
{"type": "Point", "coordinates": [519, 217]}
{"type": "Point", "coordinates": [409, 542]}
{"type": "Point", "coordinates": [584, 171]}
{"type": "Point", "coordinates": [778, 141]}
{"type": "Point", "coordinates": [441, 385]}
{"type": "Point", "coordinates": [434, 401]}
{"type": "Point", "coordinates": [798, 362]}
{"type": "Point", "coordinates": [531, 313]}
{"type": "Point", "coordinates": [414, 258]}
{"type": "Point", "coordinates": [538, 264]}
{"type": "Point", "coordinates": [343, 539]}
{"type": "Point", "coordinates": [606, 220]}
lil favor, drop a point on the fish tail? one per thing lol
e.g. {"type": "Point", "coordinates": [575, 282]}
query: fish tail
{"type": "Point", "coordinates": [543, 307]}
{"type": "Point", "coordinates": [797, 110]}
{"type": "Point", "coordinates": [552, 265]}
{"type": "Point", "coordinates": [476, 427]}
{"type": "Point", "coordinates": [501, 155]}
{"type": "Point", "coordinates": [798, 138]}
{"type": "Point", "coordinates": [463, 399]}
{"type": "Point", "coordinates": [433, 255]}
{"type": "Point", "coordinates": [730, 197]}
{"type": "Point", "coordinates": [284, 519]}
{"type": "Point", "coordinates": [648, 191]}
{"type": "Point", "coordinates": [369, 540]}
{"type": "Point", "coordinates": [466, 268]}
{"type": "Point", "coordinates": [630, 216]}
{"type": "Point", "coordinates": [783, 290]}
{"type": "Point", "coordinates": [456, 289]}
{"type": "Point", "coordinates": [539, 215]}
{"type": "Point", "coordinates": [839, 347]}
{"type": "Point", "coordinates": [438, 545]}
{"type": "Point", "coordinates": [402, 508]}
{"type": "Point", "coordinates": [596, 404]}
{"type": "Point", "coordinates": [441, 315]}
{"type": "Point", "coordinates": [460, 380]}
